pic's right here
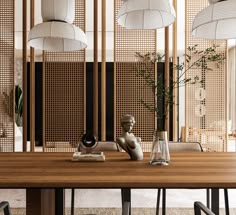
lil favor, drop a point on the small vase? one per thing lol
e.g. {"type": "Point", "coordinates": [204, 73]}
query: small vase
{"type": "Point", "coordinates": [160, 150]}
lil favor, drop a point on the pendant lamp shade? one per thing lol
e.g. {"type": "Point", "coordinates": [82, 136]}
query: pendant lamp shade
{"type": "Point", "coordinates": [57, 33]}
{"type": "Point", "coordinates": [63, 10]}
{"type": "Point", "coordinates": [217, 21]}
{"type": "Point", "coordinates": [57, 36]}
{"type": "Point", "coordinates": [146, 14]}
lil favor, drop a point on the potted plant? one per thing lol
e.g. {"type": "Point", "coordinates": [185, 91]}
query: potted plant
{"type": "Point", "coordinates": [8, 103]}
{"type": "Point", "coordinates": [18, 105]}
{"type": "Point", "coordinates": [163, 95]}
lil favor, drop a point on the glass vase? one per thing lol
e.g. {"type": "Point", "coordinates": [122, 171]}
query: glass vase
{"type": "Point", "coordinates": [160, 150]}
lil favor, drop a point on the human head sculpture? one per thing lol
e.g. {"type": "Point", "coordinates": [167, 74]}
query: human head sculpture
{"type": "Point", "coordinates": [127, 122]}
{"type": "Point", "coordinates": [127, 141]}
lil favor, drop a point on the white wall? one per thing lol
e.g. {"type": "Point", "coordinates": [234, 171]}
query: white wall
{"type": "Point", "coordinates": [232, 87]}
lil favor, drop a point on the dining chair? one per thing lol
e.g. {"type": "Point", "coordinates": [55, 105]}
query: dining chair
{"type": "Point", "coordinates": [125, 193]}
{"type": "Point", "coordinates": [5, 207]}
{"type": "Point", "coordinates": [186, 147]}
{"type": "Point", "coordinates": [200, 207]}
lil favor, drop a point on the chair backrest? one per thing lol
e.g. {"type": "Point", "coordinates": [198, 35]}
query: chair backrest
{"type": "Point", "coordinates": [4, 206]}
{"type": "Point", "coordinates": [105, 146]}
{"type": "Point", "coordinates": [185, 146]}
{"type": "Point", "coordinates": [199, 207]}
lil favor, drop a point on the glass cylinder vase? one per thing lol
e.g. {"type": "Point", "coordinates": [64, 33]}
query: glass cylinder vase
{"type": "Point", "coordinates": [160, 150]}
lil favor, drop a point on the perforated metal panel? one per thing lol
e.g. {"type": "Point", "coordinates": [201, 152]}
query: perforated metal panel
{"type": "Point", "coordinates": [129, 88]}
{"type": "Point", "coordinates": [7, 11]}
{"type": "Point", "coordinates": [64, 94]}
{"type": "Point", "coordinates": [205, 117]}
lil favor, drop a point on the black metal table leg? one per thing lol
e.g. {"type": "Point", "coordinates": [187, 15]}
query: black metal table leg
{"type": "Point", "coordinates": [158, 201]}
{"type": "Point", "coordinates": [59, 202]}
{"type": "Point", "coordinates": [163, 201]}
{"type": "Point", "coordinates": [208, 197]}
{"type": "Point", "coordinates": [226, 201]}
{"type": "Point", "coordinates": [126, 201]}
{"type": "Point", "coordinates": [215, 201]}
{"type": "Point", "coordinates": [72, 201]}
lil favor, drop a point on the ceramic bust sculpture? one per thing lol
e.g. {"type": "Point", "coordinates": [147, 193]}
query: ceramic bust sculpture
{"type": "Point", "coordinates": [128, 141]}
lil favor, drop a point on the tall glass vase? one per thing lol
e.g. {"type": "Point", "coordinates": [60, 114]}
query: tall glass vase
{"type": "Point", "coordinates": [160, 150]}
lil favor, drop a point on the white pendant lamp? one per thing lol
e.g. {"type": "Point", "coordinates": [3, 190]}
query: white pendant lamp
{"type": "Point", "coordinates": [146, 14]}
{"type": "Point", "coordinates": [217, 21]}
{"type": "Point", "coordinates": [57, 33]}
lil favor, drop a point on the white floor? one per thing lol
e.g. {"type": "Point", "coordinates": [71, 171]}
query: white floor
{"type": "Point", "coordinates": [101, 198]}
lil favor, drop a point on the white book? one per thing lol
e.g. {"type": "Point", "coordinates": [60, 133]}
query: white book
{"type": "Point", "coordinates": [93, 156]}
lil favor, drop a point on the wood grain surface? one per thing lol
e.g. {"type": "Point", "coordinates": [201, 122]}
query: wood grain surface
{"type": "Point", "coordinates": [56, 170]}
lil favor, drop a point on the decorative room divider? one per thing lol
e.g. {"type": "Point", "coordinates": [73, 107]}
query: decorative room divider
{"type": "Point", "coordinates": [7, 49]}
{"type": "Point", "coordinates": [206, 111]}
{"type": "Point", "coordinates": [64, 105]}
{"type": "Point", "coordinates": [129, 89]}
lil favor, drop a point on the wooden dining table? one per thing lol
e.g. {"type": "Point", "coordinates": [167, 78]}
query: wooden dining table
{"type": "Point", "coordinates": [40, 173]}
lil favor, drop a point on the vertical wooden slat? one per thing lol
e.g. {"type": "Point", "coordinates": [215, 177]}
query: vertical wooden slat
{"type": "Point", "coordinates": [85, 95]}
{"type": "Point", "coordinates": [175, 92]}
{"type": "Point", "coordinates": [14, 69]}
{"type": "Point", "coordinates": [183, 130]}
{"type": "Point", "coordinates": [167, 74]}
{"type": "Point", "coordinates": [227, 92]}
{"type": "Point", "coordinates": [95, 70]}
{"type": "Point", "coordinates": [155, 77]}
{"type": "Point", "coordinates": [208, 128]}
{"type": "Point", "coordinates": [24, 75]}
{"type": "Point", "coordinates": [103, 74]}
{"type": "Point", "coordinates": [43, 101]}
{"type": "Point", "coordinates": [32, 84]}
{"type": "Point", "coordinates": [114, 78]}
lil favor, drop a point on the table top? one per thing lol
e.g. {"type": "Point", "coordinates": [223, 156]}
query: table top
{"type": "Point", "coordinates": [57, 170]}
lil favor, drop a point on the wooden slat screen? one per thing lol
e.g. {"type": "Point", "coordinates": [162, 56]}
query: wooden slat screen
{"type": "Point", "coordinates": [210, 128]}
{"type": "Point", "coordinates": [64, 94]}
{"type": "Point", "coordinates": [7, 16]}
{"type": "Point", "coordinates": [129, 89]}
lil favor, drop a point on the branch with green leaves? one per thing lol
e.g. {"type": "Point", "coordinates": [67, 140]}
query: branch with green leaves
{"type": "Point", "coordinates": [203, 60]}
